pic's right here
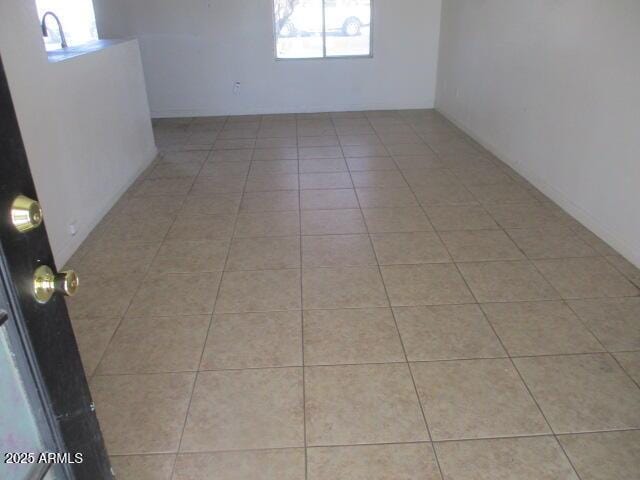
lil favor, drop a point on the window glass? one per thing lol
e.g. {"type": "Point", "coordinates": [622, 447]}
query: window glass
{"type": "Point", "coordinates": [77, 18]}
{"type": "Point", "coordinates": [322, 28]}
{"type": "Point", "coordinates": [348, 27]}
{"type": "Point", "coordinates": [298, 26]}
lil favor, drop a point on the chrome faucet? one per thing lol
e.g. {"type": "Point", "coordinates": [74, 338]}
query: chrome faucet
{"type": "Point", "coordinates": [45, 33]}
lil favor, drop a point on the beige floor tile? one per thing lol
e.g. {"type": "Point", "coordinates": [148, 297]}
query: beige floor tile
{"type": "Point", "coordinates": [291, 141]}
{"type": "Point", "coordinates": [270, 183]}
{"type": "Point", "coordinates": [393, 138]}
{"type": "Point", "coordinates": [156, 344]}
{"type": "Point", "coordinates": [449, 332]}
{"type": "Point", "coordinates": [364, 150]}
{"type": "Point", "coordinates": [180, 256]}
{"type": "Point", "coordinates": [482, 176]}
{"type": "Point", "coordinates": [285, 464]}
{"type": "Point", "coordinates": [123, 258]}
{"type": "Point", "coordinates": [476, 399]}
{"type": "Point", "coordinates": [412, 162]}
{"type": "Point", "coordinates": [383, 220]}
{"type": "Point", "coordinates": [386, 197]}
{"type": "Point", "coordinates": [143, 467]}
{"type": "Point", "coordinates": [614, 321]}
{"type": "Point", "coordinates": [134, 230]}
{"type": "Point", "coordinates": [409, 248]}
{"type": "Point", "coordinates": [462, 217]}
{"type": "Point", "coordinates": [103, 296]}
{"type": "Point", "coordinates": [347, 287]}
{"type": "Point", "coordinates": [426, 178]}
{"type": "Point", "coordinates": [254, 340]}
{"type": "Point", "coordinates": [527, 215]}
{"type": "Point", "coordinates": [362, 404]}
{"type": "Point", "coordinates": [142, 413]}
{"type": "Point", "coordinates": [270, 201]}
{"type": "Point", "coordinates": [630, 361]}
{"type": "Point", "coordinates": [268, 224]}
{"type": "Point", "coordinates": [259, 291]}
{"type": "Point", "coordinates": [540, 328]}
{"type": "Point", "coordinates": [350, 336]}
{"type": "Point", "coordinates": [232, 155]}
{"type": "Point", "coordinates": [201, 227]}
{"type": "Point", "coordinates": [175, 294]}
{"type": "Point", "coordinates": [501, 193]}
{"type": "Point", "coordinates": [582, 393]}
{"type": "Point", "coordinates": [365, 164]}
{"type": "Point", "coordinates": [373, 462]}
{"type": "Point", "coordinates": [361, 139]}
{"type": "Point", "coordinates": [328, 199]}
{"type": "Point", "coordinates": [323, 165]}
{"type": "Point", "coordinates": [218, 185]}
{"type": "Point", "coordinates": [625, 267]}
{"type": "Point", "coordinates": [225, 169]}
{"type": "Point", "coordinates": [604, 456]}
{"type": "Point", "coordinates": [323, 181]}
{"type": "Point", "coordinates": [585, 278]}
{"type": "Point", "coordinates": [163, 186]}
{"type": "Point", "coordinates": [538, 458]}
{"type": "Point", "coordinates": [332, 222]}
{"type": "Point", "coordinates": [319, 152]}
{"type": "Point", "coordinates": [220, 204]}
{"type": "Point", "coordinates": [245, 409]}
{"type": "Point", "coordinates": [274, 167]}
{"type": "Point", "coordinates": [320, 141]}
{"type": "Point", "coordinates": [276, 153]}
{"type": "Point", "coordinates": [556, 242]}
{"type": "Point", "coordinates": [337, 251]}
{"type": "Point", "coordinates": [151, 207]}
{"type": "Point", "coordinates": [506, 282]}
{"type": "Point", "coordinates": [233, 144]}
{"type": "Point", "coordinates": [480, 245]}
{"type": "Point", "coordinates": [409, 149]}
{"type": "Point", "coordinates": [264, 253]}
{"type": "Point", "coordinates": [93, 336]}
{"type": "Point", "coordinates": [378, 179]}
{"type": "Point", "coordinates": [442, 194]}
{"type": "Point", "coordinates": [199, 156]}
{"type": "Point", "coordinates": [428, 284]}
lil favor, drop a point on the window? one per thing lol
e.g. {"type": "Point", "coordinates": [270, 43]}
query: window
{"type": "Point", "coordinates": [77, 18]}
{"type": "Point", "coordinates": [322, 28]}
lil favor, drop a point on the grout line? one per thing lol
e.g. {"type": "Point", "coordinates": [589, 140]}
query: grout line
{"type": "Point", "coordinates": [404, 351]}
{"type": "Point", "coordinates": [304, 387]}
{"type": "Point", "coordinates": [204, 346]}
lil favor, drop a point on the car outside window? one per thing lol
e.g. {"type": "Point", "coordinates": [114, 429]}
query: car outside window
{"type": "Point", "coordinates": [322, 28]}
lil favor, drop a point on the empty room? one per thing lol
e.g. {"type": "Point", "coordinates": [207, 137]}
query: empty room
{"type": "Point", "coordinates": [320, 239]}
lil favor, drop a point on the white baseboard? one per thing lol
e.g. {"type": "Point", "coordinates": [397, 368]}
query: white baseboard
{"type": "Point", "coordinates": [270, 110]}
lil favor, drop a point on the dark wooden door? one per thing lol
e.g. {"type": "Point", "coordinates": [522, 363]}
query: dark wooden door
{"type": "Point", "coordinates": [43, 329]}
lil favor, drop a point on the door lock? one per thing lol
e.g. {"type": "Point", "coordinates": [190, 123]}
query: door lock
{"type": "Point", "coordinates": [45, 283]}
{"type": "Point", "coordinates": [26, 214]}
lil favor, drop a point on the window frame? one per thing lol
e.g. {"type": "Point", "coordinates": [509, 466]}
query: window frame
{"type": "Point", "coordinates": [324, 39]}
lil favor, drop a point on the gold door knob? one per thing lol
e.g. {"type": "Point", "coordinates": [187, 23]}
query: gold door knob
{"type": "Point", "coordinates": [26, 214]}
{"type": "Point", "coordinates": [45, 283]}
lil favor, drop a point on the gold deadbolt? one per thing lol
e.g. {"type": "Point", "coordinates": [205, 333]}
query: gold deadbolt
{"type": "Point", "coordinates": [45, 283]}
{"type": "Point", "coordinates": [26, 214]}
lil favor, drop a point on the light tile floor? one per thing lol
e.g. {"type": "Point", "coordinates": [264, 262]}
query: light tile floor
{"type": "Point", "coordinates": [361, 295]}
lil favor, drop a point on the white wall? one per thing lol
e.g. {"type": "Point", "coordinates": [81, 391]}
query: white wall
{"type": "Point", "coordinates": [194, 50]}
{"type": "Point", "coordinates": [552, 87]}
{"type": "Point", "coordinates": [84, 121]}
